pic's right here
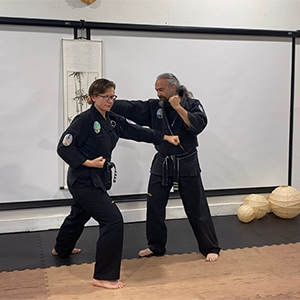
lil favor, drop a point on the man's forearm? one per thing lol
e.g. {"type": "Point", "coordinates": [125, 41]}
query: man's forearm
{"type": "Point", "coordinates": [184, 115]}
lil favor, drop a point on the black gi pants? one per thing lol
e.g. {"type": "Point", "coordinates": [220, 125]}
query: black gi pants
{"type": "Point", "coordinates": [89, 201]}
{"type": "Point", "coordinates": [195, 206]}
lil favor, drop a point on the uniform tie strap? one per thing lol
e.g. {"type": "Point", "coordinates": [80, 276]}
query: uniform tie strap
{"type": "Point", "coordinates": [165, 171]}
{"type": "Point", "coordinates": [110, 165]}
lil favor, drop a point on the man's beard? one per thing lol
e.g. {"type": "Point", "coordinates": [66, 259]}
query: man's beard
{"type": "Point", "coordinates": [164, 102]}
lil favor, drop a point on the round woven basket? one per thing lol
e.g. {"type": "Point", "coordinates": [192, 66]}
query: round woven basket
{"type": "Point", "coordinates": [245, 213]}
{"type": "Point", "coordinates": [259, 203]}
{"type": "Point", "coordinates": [284, 202]}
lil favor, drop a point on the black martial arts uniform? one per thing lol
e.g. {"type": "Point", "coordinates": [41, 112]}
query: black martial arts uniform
{"type": "Point", "coordinates": [176, 166]}
{"type": "Point", "coordinates": [89, 136]}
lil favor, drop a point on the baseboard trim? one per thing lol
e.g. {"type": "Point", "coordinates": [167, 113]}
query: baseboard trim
{"type": "Point", "coordinates": [51, 218]}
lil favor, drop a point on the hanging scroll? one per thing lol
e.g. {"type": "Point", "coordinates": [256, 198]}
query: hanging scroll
{"type": "Point", "coordinates": [82, 64]}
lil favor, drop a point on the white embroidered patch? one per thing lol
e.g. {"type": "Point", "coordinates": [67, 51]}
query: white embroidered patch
{"type": "Point", "coordinates": [130, 122]}
{"type": "Point", "coordinates": [200, 107]}
{"type": "Point", "coordinates": [68, 139]}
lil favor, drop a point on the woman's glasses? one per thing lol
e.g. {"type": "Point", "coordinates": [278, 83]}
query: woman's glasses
{"type": "Point", "coordinates": [106, 97]}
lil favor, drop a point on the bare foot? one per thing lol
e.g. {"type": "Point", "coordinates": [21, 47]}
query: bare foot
{"type": "Point", "coordinates": [75, 251]}
{"type": "Point", "coordinates": [145, 253]}
{"type": "Point", "coordinates": [212, 257]}
{"type": "Point", "coordinates": [108, 284]}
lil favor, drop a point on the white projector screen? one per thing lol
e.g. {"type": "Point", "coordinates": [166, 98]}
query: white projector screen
{"type": "Point", "coordinates": [243, 83]}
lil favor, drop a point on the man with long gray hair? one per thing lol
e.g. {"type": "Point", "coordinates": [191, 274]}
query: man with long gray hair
{"type": "Point", "coordinates": [176, 112]}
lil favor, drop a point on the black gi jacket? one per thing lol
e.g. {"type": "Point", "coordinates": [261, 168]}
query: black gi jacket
{"type": "Point", "coordinates": [90, 135]}
{"type": "Point", "coordinates": [153, 114]}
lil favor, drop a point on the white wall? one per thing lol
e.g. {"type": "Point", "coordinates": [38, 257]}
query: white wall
{"type": "Point", "coordinates": [260, 14]}
{"type": "Point", "coordinates": [251, 14]}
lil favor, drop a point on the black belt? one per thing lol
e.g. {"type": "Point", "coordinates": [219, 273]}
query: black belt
{"type": "Point", "coordinates": [174, 159]}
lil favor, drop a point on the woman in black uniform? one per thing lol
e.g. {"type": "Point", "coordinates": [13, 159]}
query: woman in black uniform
{"type": "Point", "coordinates": [87, 146]}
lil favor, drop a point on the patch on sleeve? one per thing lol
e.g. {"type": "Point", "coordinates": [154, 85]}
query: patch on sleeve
{"type": "Point", "coordinates": [200, 108]}
{"type": "Point", "coordinates": [68, 139]}
{"type": "Point", "coordinates": [130, 122]}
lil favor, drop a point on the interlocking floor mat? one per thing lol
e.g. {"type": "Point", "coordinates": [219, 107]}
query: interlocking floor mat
{"type": "Point", "coordinates": [267, 272]}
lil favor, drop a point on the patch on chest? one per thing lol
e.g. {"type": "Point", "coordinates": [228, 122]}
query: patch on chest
{"type": "Point", "coordinates": [97, 127]}
{"type": "Point", "coordinates": [68, 139]}
{"type": "Point", "coordinates": [113, 123]}
{"type": "Point", "coordinates": [159, 113]}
